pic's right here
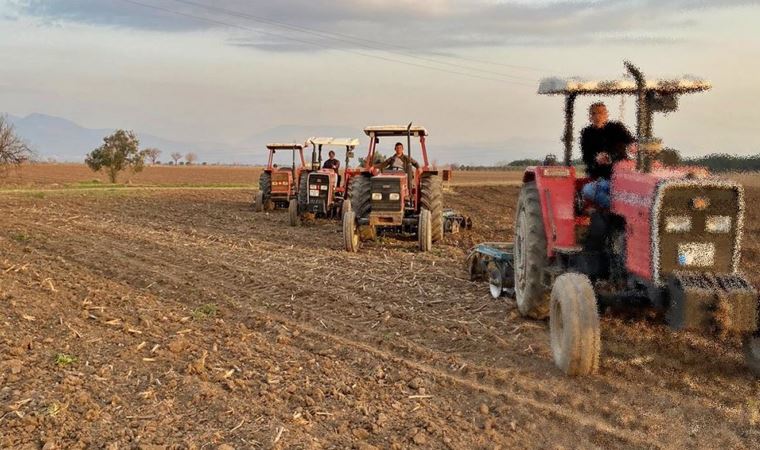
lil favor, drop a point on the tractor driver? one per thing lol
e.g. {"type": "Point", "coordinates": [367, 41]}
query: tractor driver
{"type": "Point", "coordinates": [332, 163]}
{"type": "Point", "coordinates": [603, 143]}
{"type": "Point", "coordinates": [399, 160]}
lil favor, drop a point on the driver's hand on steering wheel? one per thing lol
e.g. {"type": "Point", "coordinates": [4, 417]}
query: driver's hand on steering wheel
{"type": "Point", "coordinates": [603, 158]}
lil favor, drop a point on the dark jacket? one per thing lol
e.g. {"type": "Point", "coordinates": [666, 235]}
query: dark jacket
{"type": "Point", "coordinates": [406, 159]}
{"type": "Point", "coordinates": [333, 164]}
{"type": "Point", "coordinates": [612, 138]}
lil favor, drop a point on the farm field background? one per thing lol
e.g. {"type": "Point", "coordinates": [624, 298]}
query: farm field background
{"type": "Point", "coordinates": [133, 318]}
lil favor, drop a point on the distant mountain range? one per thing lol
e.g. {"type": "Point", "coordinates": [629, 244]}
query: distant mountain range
{"type": "Point", "coordinates": [61, 140]}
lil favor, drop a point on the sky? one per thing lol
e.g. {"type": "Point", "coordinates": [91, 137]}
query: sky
{"type": "Point", "coordinates": [224, 70]}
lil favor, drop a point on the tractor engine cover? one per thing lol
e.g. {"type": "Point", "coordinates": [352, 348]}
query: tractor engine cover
{"type": "Point", "coordinates": [703, 301]}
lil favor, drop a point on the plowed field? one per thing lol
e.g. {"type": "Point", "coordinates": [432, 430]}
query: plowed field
{"type": "Point", "coordinates": [182, 319]}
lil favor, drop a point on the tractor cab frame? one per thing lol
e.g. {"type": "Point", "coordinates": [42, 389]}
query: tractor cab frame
{"type": "Point", "coordinates": [322, 191]}
{"type": "Point", "coordinates": [671, 239]}
{"type": "Point", "coordinates": [279, 185]}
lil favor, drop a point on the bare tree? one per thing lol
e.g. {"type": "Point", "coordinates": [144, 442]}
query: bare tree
{"type": "Point", "coordinates": [13, 150]}
{"type": "Point", "coordinates": [191, 158]}
{"type": "Point", "coordinates": [176, 156]}
{"type": "Point", "coordinates": [152, 154]}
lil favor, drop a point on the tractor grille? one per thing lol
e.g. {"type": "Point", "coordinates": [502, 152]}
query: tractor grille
{"type": "Point", "coordinates": [386, 188]}
{"type": "Point", "coordinates": [697, 228]}
{"type": "Point", "coordinates": [319, 186]}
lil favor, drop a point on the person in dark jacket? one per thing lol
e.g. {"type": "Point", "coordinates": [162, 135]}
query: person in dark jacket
{"type": "Point", "coordinates": [603, 143]}
{"type": "Point", "coordinates": [332, 163]}
{"type": "Point", "coordinates": [399, 160]}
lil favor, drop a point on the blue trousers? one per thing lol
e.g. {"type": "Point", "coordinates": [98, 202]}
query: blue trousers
{"type": "Point", "coordinates": [598, 191]}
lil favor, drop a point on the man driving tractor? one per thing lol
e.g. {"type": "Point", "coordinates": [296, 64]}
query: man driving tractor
{"type": "Point", "coordinates": [603, 143]}
{"type": "Point", "coordinates": [334, 164]}
{"type": "Point", "coordinates": [399, 160]}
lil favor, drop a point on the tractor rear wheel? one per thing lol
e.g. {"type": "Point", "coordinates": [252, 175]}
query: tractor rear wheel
{"type": "Point", "coordinates": [425, 230]}
{"type": "Point", "coordinates": [752, 353]}
{"type": "Point", "coordinates": [293, 212]}
{"type": "Point", "coordinates": [350, 232]}
{"type": "Point", "coordinates": [530, 255]}
{"type": "Point", "coordinates": [574, 325]}
{"type": "Point", "coordinates": [431, 198]}
{"type": "Point", "coordinates": [303, 186]}
{"type": "Point", "coordinates": [360, 195]}
{"type": "Point", "coordinates": [265, 188]}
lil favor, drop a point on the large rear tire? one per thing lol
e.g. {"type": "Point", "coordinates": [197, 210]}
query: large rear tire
{"type": "Point", "coordinates": [350, 232]}
{"type": "Point", "coordinates": [265, 189]}
{"type": "Point", "coordinates": [431, 198]}
{"type": "Point", "coordinates": [360, 195]}
{"type": "Point", "coordinates": [752, 354]}
{"type": "Point", "coordinates": [425, 231]}
{"type": "Point", "coordinates": [530, 255]}
{"type": "Point", "coordinates": [293, 212]}
{"type": "Point", "coordinates": [574, 325]}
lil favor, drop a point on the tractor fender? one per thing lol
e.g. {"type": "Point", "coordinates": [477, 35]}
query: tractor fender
{"type": "Point", "coordinates": [556, 193]}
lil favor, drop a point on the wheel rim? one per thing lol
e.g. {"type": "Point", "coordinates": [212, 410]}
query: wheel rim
{"type": "Point", "coordinates": [354, 236]}
{"type": "Point", "coordinates": [520, 253]}
{"type": "Point", "coordinates": [557, 326]}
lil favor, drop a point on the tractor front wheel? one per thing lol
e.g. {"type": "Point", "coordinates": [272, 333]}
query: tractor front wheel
{"type": "Point", "coordinates": [530, 255]}
{"type": "Point", "coordinates": [293, 212]}
{"type": "Point", "coordinates": [258, 203]}
{"type": "Point", "coordinates": [350, 233]}
{"type": "Point", "coordinates": [425, 230]}
{"type": "Point", "coordinates": [752, 353]}
{"type": "Point", "coordinates": [574, 325]}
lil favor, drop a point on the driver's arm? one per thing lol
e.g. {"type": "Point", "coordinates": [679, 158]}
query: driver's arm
{"type": "Point", "coordinates": [414, 163]}
{"type": "Point", "coordinates": [387, 163]}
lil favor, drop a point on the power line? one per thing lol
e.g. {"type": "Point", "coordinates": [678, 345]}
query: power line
{"type": "Point", "coordinates": [242, 27]}
{"type": "Point", "coordinates": [376, 45]}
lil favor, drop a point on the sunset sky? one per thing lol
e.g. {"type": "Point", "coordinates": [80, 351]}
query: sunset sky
{"type": "Point", "coordinates": [223, 70]}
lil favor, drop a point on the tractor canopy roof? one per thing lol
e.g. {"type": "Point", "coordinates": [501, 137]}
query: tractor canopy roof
{"type": "Point", "coordinates": [334, 142]}
{"type": "Point", "coordinates": [627, 85]}
{"type": "Point", "coordinates": [395, 130]}
{"type": "Point", "coordinates": [284, 146]}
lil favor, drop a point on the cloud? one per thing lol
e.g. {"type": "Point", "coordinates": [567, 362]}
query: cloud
{"type": "Point", "coordinates": [435, 25]}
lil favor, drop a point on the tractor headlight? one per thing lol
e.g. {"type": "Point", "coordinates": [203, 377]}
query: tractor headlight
{"type": "Point", "coordinates": [323, 187]}
{"type": "Point", "coordinates": [394, 196]}
{"type": "Point", "coordinates": [677, 224]}
{"type": "Point", "coordinates": [377, 196]}
{"type": "Point", "coordinates": [718, 224]}
{"type": "Point", "coordinates": [313, 186]}
{"type": "Point", "coordinates": [314, 192]}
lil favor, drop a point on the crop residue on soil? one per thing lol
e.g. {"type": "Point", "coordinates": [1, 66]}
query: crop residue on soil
{"type": "Point", "coordinates": [183, 318]}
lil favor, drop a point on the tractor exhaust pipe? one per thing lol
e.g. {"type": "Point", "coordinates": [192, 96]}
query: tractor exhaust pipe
{"type": "Point", "coordinates": [643, 136]}
{"type": "Point", "coordinates": [409, 157]}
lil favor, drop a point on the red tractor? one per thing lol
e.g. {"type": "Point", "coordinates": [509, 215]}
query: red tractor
{"type": "Point", "coordinates": [321, 191]}
{"type": "Point", "coordinates": [279, 185]}
{"type": "Point", "coordinates": [402, 199]}
{"type": "Point", "coordinates": [670, 240]}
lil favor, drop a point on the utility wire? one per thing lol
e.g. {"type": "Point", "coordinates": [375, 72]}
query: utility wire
{"type": "Point", "coordinates": [375, 45]}
{"type": "Point", "coordinates": [243, 27]}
